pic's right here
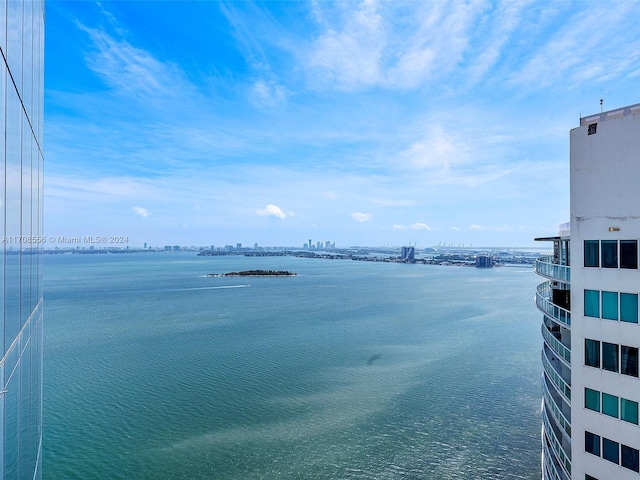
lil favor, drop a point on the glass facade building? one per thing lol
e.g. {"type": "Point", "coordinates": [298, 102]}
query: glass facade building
{"type": "Point", "coordinates": [21, 188]}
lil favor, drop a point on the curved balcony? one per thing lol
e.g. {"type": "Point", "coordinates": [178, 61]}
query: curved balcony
{"type": "Point", "coordinates": [555, 410]}
{"type": "Point", "coordinates": [545, 267]}
{"type": "Point", "coordinates": [563, 388]}
{"type": "Point", "coordinates": [561, 456]}
{"type": "Point", "coordinates": [552, 469]}
{"type": "Point", "coordinates": [556, 345]}
{"type": "Point", "coordinates": [546, 306]}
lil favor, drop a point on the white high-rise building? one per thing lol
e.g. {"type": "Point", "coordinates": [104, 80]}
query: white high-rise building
{"type": "Point", "coordinates": [591, 387]}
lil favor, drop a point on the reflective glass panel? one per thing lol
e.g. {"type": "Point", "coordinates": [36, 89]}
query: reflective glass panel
{"type": "Point", "coordinates": [592, 303]}
{"type": "Point", "coordinates": [629, 307]}
{"type": "Point", "coordinates": [592, 353]}
{"type": "Point", "coordinates": [611, 450]}
{"type": "Point", "coordinates": [610, 405]}
{"type": "Point", "coordinates": [591, 254]}
{"type": "Point", "coordinates": [629, 361]}
{"type": "Point", "coordinates": [609, 251]}
{"type": "Point", "coordinates": [592, 399]}
{"type": "Point", "coordinates": [629, 411]}
{"type": "Point", "coordinates": [610, 356]}
{"type": "Point", "coordinates": [629, 458]}
{"type": "Point", "coordinates": [592, 443]}
{"type": "Point", "coordinates": [629, 254]}
{"type": "Point", "coordinates": [610, 305]}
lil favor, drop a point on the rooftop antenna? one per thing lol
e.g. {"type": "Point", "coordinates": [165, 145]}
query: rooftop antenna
{"type": "Point", "coordinates": [600, 105]}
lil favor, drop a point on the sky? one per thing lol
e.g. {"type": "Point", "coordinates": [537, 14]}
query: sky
{"type": "Point", "coordinates": [360, 123]}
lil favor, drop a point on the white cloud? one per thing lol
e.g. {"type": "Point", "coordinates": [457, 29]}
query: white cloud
{"type": "Point", "coordinates": [348, 55]}
{"type": "Point", "coordinates": [133, 71]}
{"type": "Point", "coordinates": [476, 227]}
{"type": "Point", "coordinates": [361, 217]}
{"type": "Point", "coordinates": [271, 211]}
{"type": "Point", "coordinates": [457, 229]}
{"type": "Point", "coordinates": [438, 150]}
{"type": "Point", "coordinates": [415, 226]}
{"type": "Point", "coordinates": [330, 195]}
{"type": "Point", "coordinates": [420, 226]}
{"type": "Point", "coordinates": [143, 212]}
{"type": "Point", "coordinates": [268, 93]}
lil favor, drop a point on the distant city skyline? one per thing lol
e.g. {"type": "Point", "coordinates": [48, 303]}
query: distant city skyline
{"type": "Point", "coordinates": [191, 123]}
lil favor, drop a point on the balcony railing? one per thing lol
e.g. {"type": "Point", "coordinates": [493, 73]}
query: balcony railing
{"type": "Point", "coordinates": [555, 377]}
{"type": "Point", "coordinates": [546, 267]}
{"type": "Point", "coordinates": [552, 469]}
{"type": "Point", "coordinates": [556, 345]}
{"type": "Point", "coordinates": [555, 411]}
{"type": "Point", "coordinates": [555, 443]}
{"type": "Point", "coordinates": [544, 303]}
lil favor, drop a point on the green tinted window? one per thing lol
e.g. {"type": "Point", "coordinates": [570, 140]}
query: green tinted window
{"type": "Point", "coordinates": [610, 405]}
{"type": "Point", "coordinates": [610, 305]}
{"type": "Point", "coordinates": [592, 399]}
{"type": "Point", "coordinates": [592, 303]}
{"type": "Point", "coordinates": [629, 307]}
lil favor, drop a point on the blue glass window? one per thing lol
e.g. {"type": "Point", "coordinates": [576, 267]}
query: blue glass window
{"type": "Point", "coordinates": [629, 361]}
{"type": "Point", "coordinates": [629, 307]}
{"type": "Point", "coordinates": [591, 253]}
{"type": "Point", "coordinates": [610, 305]}
{"type": "Point", "coordinates": [610, 356]}
{"type": "Point", "coordinates": [629, 411]}
{"type": "Point", "coordinates": [592, 443]}
{"type": "Point", "coordinates": [629, 254]}
{"type": "Point", "coordinates": [592, 399]}
{"type": "Point", "coordinates": [610, 405]}
{"type": "Point", "coordinates": [630, 458]}
{"type": "Point", "coordinates": [592, 303]}
{"type": "Point", "coordinates": [611, 450]}
{"type": "Point", "coordinates": [592, 353]}
{"type": "Point", "coordinates": [609, 253]}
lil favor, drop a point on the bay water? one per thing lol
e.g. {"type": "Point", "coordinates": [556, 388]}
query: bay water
{"type": "Point", "coordinates": [349, 370]}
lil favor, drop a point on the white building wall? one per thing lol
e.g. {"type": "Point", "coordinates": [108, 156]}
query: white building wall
{"type": "Point", "coordinates": [605, 205]}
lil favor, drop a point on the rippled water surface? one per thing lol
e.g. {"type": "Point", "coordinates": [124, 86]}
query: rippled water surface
{"type": "Point", "coordinates": [351, 370]}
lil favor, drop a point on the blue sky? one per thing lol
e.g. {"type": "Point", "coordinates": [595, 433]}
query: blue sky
{"type": "Point", "coordinates": [363, 123]}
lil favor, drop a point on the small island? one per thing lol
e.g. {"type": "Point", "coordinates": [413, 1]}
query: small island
{"type": "Point", "coordinates": [255, 273]}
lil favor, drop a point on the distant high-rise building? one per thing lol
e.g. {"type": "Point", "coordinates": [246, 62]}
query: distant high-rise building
{"type": "Point", "coordinates": [589, 302]}
{"type": "Point", "coordinates": [484, 261]}
{"type": "Point", "coordinates": [408, 253]}
{"type": "Point", "coordinates": [21, 121]}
